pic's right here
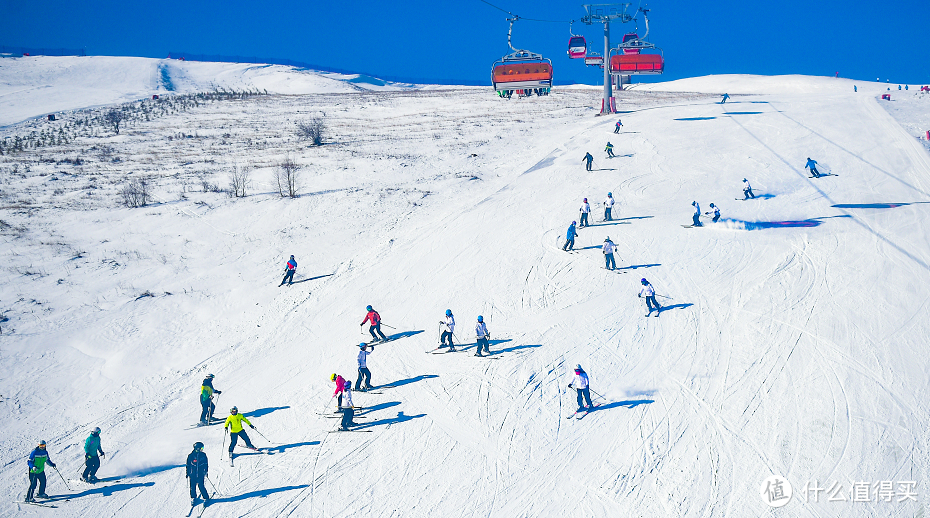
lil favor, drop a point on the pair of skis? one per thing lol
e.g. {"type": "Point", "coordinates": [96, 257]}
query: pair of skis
{"type": "Point", "coordinates": [582, 412]}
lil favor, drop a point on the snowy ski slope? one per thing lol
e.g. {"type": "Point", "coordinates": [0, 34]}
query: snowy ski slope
{"type": "Point", "coordinates": [794, 340]}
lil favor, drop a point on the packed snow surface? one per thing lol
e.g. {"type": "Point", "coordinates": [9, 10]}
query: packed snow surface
{"type": "Point", "coordinates": [793, 341]}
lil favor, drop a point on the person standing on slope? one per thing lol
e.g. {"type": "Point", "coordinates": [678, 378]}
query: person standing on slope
{"type": "Point", "coordinates": [812, 165]}
{"type": "Point", "coordinates": [610, 150]}
{"type": "Point", "coordinates": [618, 126]}
{"type": "Point", "coordinates": [375, 320]}
{"type": "Point", "coordinates": [696, 217]}
{"type": "Point", "coordinates": [725, 97]}
{"type": "Point", "coordinates": [340, 385]}
{"type": "Point", "coordinates": [363, 371]}
{"type": "Point", "coordinates": [650, 293]}
{"type": "Point", "coordinates": [585, 210]}
{"type": "Point", "coordinates": [92, 454]}
{"type": "Point", "coordinates": [289, 271]}
{"type": "Point", "coordinates": [37, 460]}
{"type": "Point", "coordinates": [747, 190]}
{"type": "Point", "coordinates": [197, 467]}
{"type": "Point", "coordinates": [448, 328]}
{"type": "Point", "coordinates": [608, 249]}
{"type": "Point", "coordinates": [716, 212]}
{"type": "Point", "coordinates": [348, 410]}
{"type": "Point", "coordinates": [482, 336]}
{"type": "Point", "coordinates": [570, 237]}
{"type": "Point", "coordinates": [206, 400]}
{"type": "Point", "coordinates": [581, 385]}
{"type": "Point", "coordinates": [608, 207]}
{"type": "Point", "coordinates": [236, 430]}
{"type": "Point", "coordinates": [590, 159]}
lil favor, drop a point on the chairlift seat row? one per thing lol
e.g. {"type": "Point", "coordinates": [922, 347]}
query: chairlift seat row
{"type": "Point", "coordinates": [637, 64]}
{"type": "Point", "coordinates": [518, 76]}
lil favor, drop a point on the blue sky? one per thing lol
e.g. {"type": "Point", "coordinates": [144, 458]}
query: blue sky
{"type": "Point", "coordinates": [460, 39]}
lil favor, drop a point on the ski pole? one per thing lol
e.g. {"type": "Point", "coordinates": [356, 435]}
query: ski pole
{"type": "Point", "coordinates": [327, 404]}
{"type": "Point", "coordinates": [385, 325]}
{"type": "Point", "coordinates": [62, 478]}
{"type": "Point", "coordinates": [263, 436]}
{"type": "Point", "coordinates": [598, 395]}
{"type": "Point", "coordinates": [664, 297]}
{"type": "Point", "coordinates": [223, 446]}
{"type": "Point", "coordinates": [215, 490]}
{"type": "Point", "coordinates": [439, 337]}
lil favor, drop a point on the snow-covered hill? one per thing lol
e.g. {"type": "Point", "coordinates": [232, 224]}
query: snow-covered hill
{"type": "Point", "coordinates": [793, 340]}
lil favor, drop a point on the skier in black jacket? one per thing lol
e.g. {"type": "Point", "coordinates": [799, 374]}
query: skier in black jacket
{"type": "Point", "coordinates": [196, 472]}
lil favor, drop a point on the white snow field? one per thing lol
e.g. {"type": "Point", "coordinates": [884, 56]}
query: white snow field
{"type": "Point", "coordinates": [793, 340]}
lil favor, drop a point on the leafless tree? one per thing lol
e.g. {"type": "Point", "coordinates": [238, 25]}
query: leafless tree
{"type": "Point", "coordinates": [312, 130]}
{"type": "Point", "coordinates": [287, 177]}
{"type": "Point", "coordinates": [135, 193]}
{"type": "Point", "coordinates": [114, 118]}
{"type": "Point", "coordinates": [240, 180]}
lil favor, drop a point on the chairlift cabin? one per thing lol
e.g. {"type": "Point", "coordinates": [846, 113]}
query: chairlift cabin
{"type": "Point", "coordinates": [577, 47]}
{"type": "Point", "coordinates": [627, 59]}
{"type": "Point", "coordinates": [629, 37]}
{"type": "Point", "coordinates": [521, 72]}
{"type": "Point", "coordinates": [594, 60]}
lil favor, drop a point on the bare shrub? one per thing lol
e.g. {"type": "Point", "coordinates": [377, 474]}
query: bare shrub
{"type": "Point", "coordinates": [135, 193]}
{"type": "Point", "coordinates": [286, 177]}
{"type": "Point", "coordinates": [113, 118]}
{"type": "Point", "coordinates": [206, 185]}
{"type": "Point", "coordinates": [240, 181]}
{"type": "Point", "coordinates": [312, 130]}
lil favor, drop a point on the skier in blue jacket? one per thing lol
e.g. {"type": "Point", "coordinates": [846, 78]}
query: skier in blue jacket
{"type": "Point", "coordinates": [289, 272]}
{"type": "Point", "coordinates": [570, 237]}
{"type": "Point", "coordinates": [812, 165]}
{"type": "Point", "coordinates": [92, 454]}
{"type": "Point", "coordinates": [37, 461]}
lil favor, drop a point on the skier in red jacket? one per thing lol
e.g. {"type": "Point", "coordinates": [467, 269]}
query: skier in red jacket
{"type": "Point", "coordinates": [375, 320]}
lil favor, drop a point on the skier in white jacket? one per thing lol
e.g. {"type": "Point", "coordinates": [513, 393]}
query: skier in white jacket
{"type": "Point", "coordinates": [580, 383]}
{"type": "Point", "coordinates": [348, 410]}
{"type": "Point", "coordinates": [585, 210]}
{"type": "Point", "coordinates": [363, 372]}
{"type": "Point", "coordinates": [482, 336]}
{"type": "Point", "coordinates": [448, 327]}
{"type": "Point", "coordinates": [608, 250]}
{"type": "Point", "coordinates": [650, 295]}
{"type": "Point", "coordinates": [608, 207]}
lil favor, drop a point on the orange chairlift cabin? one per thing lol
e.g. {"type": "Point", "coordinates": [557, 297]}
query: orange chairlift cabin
{"type": "Point", "coordinates": [627, 59]}
{"type": "Point", "coordinates": [521, 72]}
{"type": "Point", "coordinates": [577, 46]}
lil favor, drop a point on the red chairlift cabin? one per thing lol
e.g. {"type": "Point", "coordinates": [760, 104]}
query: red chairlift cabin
{"type": "Point", "coordinates": [627, 59]}
{"type": "Point", "coordinates": [522, 71]}
{"type": "Point", "coordinates": [577, 47]}
{"type": "Point", "coordinates": [628, 37]}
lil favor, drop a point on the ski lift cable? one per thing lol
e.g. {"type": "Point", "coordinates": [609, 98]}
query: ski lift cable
{"type": "Point", "coordinates": [522, 18]}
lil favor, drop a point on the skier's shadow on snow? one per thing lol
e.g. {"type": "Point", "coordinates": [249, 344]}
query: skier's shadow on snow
{"type": "Point", "coordinates": [401, 418]}
{"type": "Point", "coordinates": [603, 169]}
{"type": "Point", "coordinates": [515, 348]}
{"type": "Point", "coordinates": [490, 343]}
{"type": "Point", "coordinates": [403, 334]}
{"type": "Point", "coordinates": [264, 411]}
{"type": "Point", "coordinates": [106, 490]}
{"type": "Point", "coordinates": [252, 494]}
{"type": "Point", "coordinates": [379, 406]}
{"type": "Point", "coordinates": [633, 403]}
{"type": "Point", "coordinates": [314, 278]}
{"type": "Point", "coordinates": [608, 223]}
{"type": "Point", "coordinates": [146, 471]}
{"type": "Point", "coordinates": [414, 379]}
{"type": "Point", "coordinates": [284, 447]}
{"type": "Point", "coordinates": [637, 266]}
{"type": "Point", "coordinates": [675, 306]}
{"type": "Point", "coordinates": [874, 205]}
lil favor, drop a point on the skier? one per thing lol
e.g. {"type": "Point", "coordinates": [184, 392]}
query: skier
{"type": "Point", "coordinates": [855, 89]}
{"type": "Point", "coordinates": [482, 336]}
{"type": "Point", "coordinates": [608, 250]}
{"type": "Point", "coordinates": [589, 159]}
{"type": "Point", "coordinates": [206, 400]}
{"type": "Point", "coordinates": [340, 383]}
{"type": "Point", "coordinates": [716, 212]}
{"type": "Point", "coordinates": [608, 207]}
{"type": "Point", "coordinates": [91, 459]}
{"type": "Point", "coordinates": [725, 97]}
{"type": "Point", "coordinates": [236, 430]}
{"type": "Point", "coordinates": [375, 320]}
{"type": "Point", "coordinates": [696, 217]}
{"type": "Point", "coordinates": [448, 330]}
{"type": "Point", "coordinates": [348, 411]}
{"type": "Point", "coordinates": [610, 150]}
{"type": "Point", "coordinates": [570, 237]}
{"type": "Point", "coordinates": [585, 210]}
{"type": "Point", "coordinates": [747, 190]}
{"type": "Point", "coordinates": [289, 271]}
{"type": "Point", "coordinates": [812, 165]}
{"type": "Point", "coordinates": [363, 371]}
{"type": "Point", "coordinates": [37, 460]}
{"type": "Point", "coordinates": [618, 126]}
{"type": "Point", "coordinates": [650, 294]}
{"type": "Point", "coordinates": [197, 467]}
{"type": "Point", "coordinates": [580, 384]}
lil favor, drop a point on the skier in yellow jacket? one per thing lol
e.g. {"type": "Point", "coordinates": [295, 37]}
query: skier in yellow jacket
{"type": "Point", "coordinates": [236, 430]}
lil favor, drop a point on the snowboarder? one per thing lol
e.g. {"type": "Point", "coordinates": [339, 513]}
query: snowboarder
{"type": "Point", "coordinates": [747, 190]}
{"type": "Point", "coordinates": [608, 250]}
{"type": "Point", "coordinates": [610, 150]}
{"type": "Point", "coordinates": [206, 400]}
{"type": "Point", "coordinates": [650, 294]}
{"type": "Point", "coordinates": [570, 237]}
{"type": "Point", "coordinates": [608, 207]}
{"type": "Point", "coordinates": [375, 320]}
{"type": "Point", "coordinates": [348, 410]}
{"type": "Point", "coordinates": [92, 454]}
{"type": "Point", "coordinates": [725, 97]}
{"type": "Point", "coordinates": [236, 430]}
{"type": "Point", "coordinates": [585, 210]}
{"type": "Point", "coordinates": [696, 217]}
{"type": "Point", "coordinates": [590, 159]}
{"type": "Point", "coordinates": [482, 336]}
{"type": "Point", "coordinates": [716, 212]}
{"type": "Point", "coordinates": [812, 165]}
{"type": "Point", "coordinates": [340, 384]}
{"type": "Point", "coordinates": [197, 467]}
{"type": "Point", "coordinates": [37, 460]}
{"type": "Point", "coordinates": [618, 126]}
{"type": "Point", "coordinates": [289, 271]}
{"type": "Point", "coordinates": [580, 384]}
{"type": "Point", "coordinates": [448, 328]}
{"type": "Point", "coordinates": [363, 371]}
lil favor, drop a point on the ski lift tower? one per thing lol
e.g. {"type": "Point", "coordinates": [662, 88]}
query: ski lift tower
{"type": "Point", "coordinates": [605, 13]}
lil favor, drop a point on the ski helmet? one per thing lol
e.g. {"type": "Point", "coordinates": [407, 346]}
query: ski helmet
{"type": "Point", "coordinates": [745, 180]}
{"type": "Point", "coordinates": [198, 445]}
{"type": "Point", "coordinates": [368, 307]}
{"type": "Point", "coordinates": [233, 410]}
{"type": "Point", "coordinates": [607, 239]}
{"type": "Point", "coordinates": [480, 318]}
{"type": "Point", "coordinates": [41, 444]}
{"type": "Point", "coordinates": [610, 194]}
{"type": "Point", "coordinates": [573, 222]}
{"type": "Point", "coordinates": [711, 204]}
{"type": "Point", "coordinates": [333, 377]}
{"type": "Point", "coordinates": [693, 203]}
{"type": "Point", "coordinates": [586, 200]}
{"type": "Point", "coordinates": [292, 257]}
{"type": "Point", "coordinates": [210, 376]}
{"type": "Point", "coordinates": [448, 312]}
{"type": "Point", "coordinates": [96, 431]}
{"type": "Point", "coordinates": [362, 345]}
{"type": "Point", "coordinates": [644, 281]}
